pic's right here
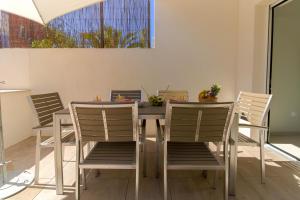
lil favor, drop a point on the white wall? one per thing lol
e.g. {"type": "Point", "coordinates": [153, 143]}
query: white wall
{"type": "Point", "coordinates": [14, 68]}
{"type": "Point", "coordinates": [252, 45]}
{"type": "Point", "coordinates": [16, 112]}
{"type": "Point", "coordinates": [195, 47]}
{"type": "Point", "coordinates": [16, 117]}
{"type": "Point", "coordinates": [246, 38]}
{"type": "Point", "coordinates": [252, 59]}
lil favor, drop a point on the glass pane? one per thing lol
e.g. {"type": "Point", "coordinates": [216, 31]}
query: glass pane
{"type": "Point", "coordinates": [285, 79]}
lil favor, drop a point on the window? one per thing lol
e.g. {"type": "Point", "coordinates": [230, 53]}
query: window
{"type": "Point", "coordinates": [108, 24]}
{"type": "Point", "coordinates": [22, 32]}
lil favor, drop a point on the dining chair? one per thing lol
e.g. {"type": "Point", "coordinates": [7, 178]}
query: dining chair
{"type": "Point", "coordinates": [175, 95]}
{"type": "Point", "coordinates": [135, 95]}
{"type": "Point", "coordinates": [189, 129]}
{"type": "Point", "coordinates": [253, 110]}
{"type": "Point", "coordinates": [115, 129]}
{"type": "Point", "coordinates": [44, 105]}
{"type": "Point", "coordinates": [168, 95]}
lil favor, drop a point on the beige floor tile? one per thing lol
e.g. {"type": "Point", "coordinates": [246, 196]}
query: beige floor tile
{"type": "Point", "coordinates": [283, 182]}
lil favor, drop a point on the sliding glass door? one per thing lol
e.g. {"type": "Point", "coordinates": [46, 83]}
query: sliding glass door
{"type": "Point", "coordinates": [284, 84]}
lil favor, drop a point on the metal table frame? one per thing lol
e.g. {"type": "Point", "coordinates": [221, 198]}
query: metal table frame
{"type": "Point", "coordinates": [10, 183]}
{"type": "Point", "coordinates": [145, 112]}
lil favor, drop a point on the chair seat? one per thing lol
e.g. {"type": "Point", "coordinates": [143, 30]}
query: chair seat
{"type": "Point", "coordinates": [68, 138]}
{"type": "Point", "coordinates": [246, 141]}
{"type": "Point", "coordinates": [111, 155]}
{"type": "Point", "coordinates": [191, 156]}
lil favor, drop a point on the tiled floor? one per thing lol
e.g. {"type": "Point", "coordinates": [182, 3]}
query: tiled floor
{"type": "Point", "coordinates": [283, 182]}
{"type": "Point", "coordinates": [288, 143]}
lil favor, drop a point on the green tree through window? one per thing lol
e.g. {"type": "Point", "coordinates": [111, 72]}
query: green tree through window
{"type": "Point", "coordinates": [108, 24]}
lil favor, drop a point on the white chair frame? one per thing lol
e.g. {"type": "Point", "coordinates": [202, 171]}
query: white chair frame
{"type": "Point", "coordinates": [52, 103]}
{"type": "Point", "coordinates": [79, 147]}
{"type": "Point", "coordinates": [221, 165]}
{"type": "Point", "coordinates": [254, 107]}
{"type": "Point", "coordinates": [142, 123]}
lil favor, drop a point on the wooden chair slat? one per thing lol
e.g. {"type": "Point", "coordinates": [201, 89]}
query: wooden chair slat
{"type": "Point", "coordinates": [48, 100]}
{"type": "Point", "coordinates": [96, 128]}
{"type": "Point", "coordinates": [250, 109]}
{"type": "Point", "coordinates": [96, 138]}
{"type": "Point", "coordinates": [194, 154]}
{"type": "Point", "coordinates": [46, 121]}
{"type": "Point", "coordinates": [253, 107]}
{"type": "Point", "coordinates": [42, 96]}
{"type": "Point", "coordinates": [94, 133]}
{"type": "Point", "coordinates": [252, 104]}
{"type": "Point", "coordinates": [184, 121]}
{"type": "Point", "coordinates": [45, 105]}
{"type": "Point", "coordinates": [48, 112]}
{"type": "Point", "coordinates": [89, 111]}
{"type": "Point", "coordinates": [48, 107]}
{"type": "Point", "coordinates": [96, 122]}
{"type": "Point", "coordinates": [255, 95]}
{"type": "Point", "coordinates": [90, 117]}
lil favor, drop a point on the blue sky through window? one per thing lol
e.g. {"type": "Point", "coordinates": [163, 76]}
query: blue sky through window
{"type": "Point", "coordinates": [123, 15]}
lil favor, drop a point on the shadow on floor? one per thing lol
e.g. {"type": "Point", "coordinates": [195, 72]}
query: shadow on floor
{"type": "Point", "coordinates": [282, 182]}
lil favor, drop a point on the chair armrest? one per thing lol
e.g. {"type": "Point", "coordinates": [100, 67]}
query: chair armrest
{"type": "Point", "coordinates": [51, 125]}
{"type": "Point", "coordinates": [253, 126]}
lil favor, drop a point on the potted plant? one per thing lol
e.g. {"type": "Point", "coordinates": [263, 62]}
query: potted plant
{"type": "Point", "coordinates": [154, 100]}
{"type": "Point", "coordinates": [210, 95]}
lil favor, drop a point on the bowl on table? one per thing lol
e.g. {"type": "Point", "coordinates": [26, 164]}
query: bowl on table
{"type": "Point", "coordinates": [156, 100]}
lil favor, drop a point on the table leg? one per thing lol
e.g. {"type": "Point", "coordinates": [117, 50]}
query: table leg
{"type": "Point", "coordinates": [233, 155]}
{"type": "Point", "coordinates": [3, 171]}
{"type": "Point", "coordinates": [157, 153]}
{"type": "Point", "coordinates": [58, 155]}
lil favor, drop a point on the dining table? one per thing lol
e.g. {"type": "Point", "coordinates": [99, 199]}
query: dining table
{"type": "Point", "coordinates": [145, 112]}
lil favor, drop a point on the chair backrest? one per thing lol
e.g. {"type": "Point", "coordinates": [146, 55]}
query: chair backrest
{"type": "Point", "coordinates": [135, 95]}
{"type": "Point", "coordinates": [45, 105]}
{"type": "Point", "coordinates": [105, 121]}
{"type": "Point", "coordinates": [175, 95]}
{"type": "Point", "coordinates": [197, 122]}
{"type": "Point", "coordinates": [253, 107]}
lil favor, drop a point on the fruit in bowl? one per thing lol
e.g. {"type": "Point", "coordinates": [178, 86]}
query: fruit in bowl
{"type": "Point", "coordinates": [209, 95]}
{"type": "Point", "coordinates": [203, 94]}
{"type": "Point", "coordinates": [156, 100]}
